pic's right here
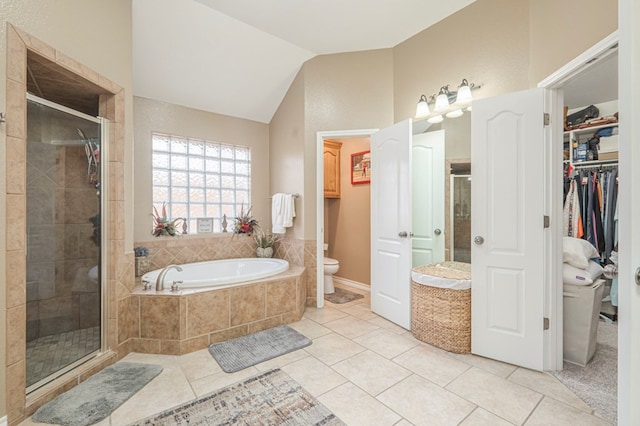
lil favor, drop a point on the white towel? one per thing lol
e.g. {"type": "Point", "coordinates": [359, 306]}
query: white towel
{"type": "Point", "coordinates": [283, 211]}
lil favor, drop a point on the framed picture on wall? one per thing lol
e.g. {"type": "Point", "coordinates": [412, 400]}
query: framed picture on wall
{"type": "Point", "coordinates": [360, 167]}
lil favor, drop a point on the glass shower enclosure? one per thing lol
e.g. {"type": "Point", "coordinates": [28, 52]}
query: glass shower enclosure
{"type": "Point", "coordinates": [64, 268]}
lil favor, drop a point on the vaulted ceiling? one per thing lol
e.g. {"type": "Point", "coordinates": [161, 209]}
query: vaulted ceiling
{"type": "Point", "coordinates": [239, 57]}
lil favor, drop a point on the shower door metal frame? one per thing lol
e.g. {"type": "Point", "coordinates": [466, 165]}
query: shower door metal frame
{"type": "Point", "coordinates": [104, 232]}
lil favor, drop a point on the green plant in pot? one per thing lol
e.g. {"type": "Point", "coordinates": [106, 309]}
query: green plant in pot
{"type": "Point", "coordinates": [265, 243]}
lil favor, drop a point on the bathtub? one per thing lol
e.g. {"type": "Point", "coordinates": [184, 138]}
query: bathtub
{"type": "Point", "coordinates": [220, 272]}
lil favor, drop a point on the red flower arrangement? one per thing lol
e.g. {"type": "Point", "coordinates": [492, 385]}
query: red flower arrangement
{"type": "Point", "coordinates": [245, 223]}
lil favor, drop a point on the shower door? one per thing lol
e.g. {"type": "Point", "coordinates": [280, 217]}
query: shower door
{"type": "Point", "coordinates": [64, 271]}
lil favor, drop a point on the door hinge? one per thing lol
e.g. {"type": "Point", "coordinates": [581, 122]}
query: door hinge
{"type": "Point", "coordinates": [545, 324]}
{"type": "Point", "coordinates": [547, 221]}
{"type": "Point", "coordinates": [546, 118]}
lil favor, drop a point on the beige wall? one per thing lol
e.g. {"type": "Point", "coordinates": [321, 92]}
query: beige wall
{"type": "Point", "coordinates": [486, 43]}
{"type": "Point", "coordinates": [343, 92]}
{"type": "Point", "coordinates": [348, 219]}
{"type": "Point", "coordinates": [286, 150]}
{"type": "Point", "coordinates": [154, 116]}
{"type": "Point", "coordinates": [562, 30]}
{"type": "Point", "coordinates": [95, 33]}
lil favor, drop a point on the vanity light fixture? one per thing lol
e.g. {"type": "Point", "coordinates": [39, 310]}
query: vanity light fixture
{"type": "Point", "coordinates": [446, 102]}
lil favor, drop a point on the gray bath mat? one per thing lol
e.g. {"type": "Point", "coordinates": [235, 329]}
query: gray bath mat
{"type": "Point", "coordinates": [342, 296]}
{"type": "Point", "coordinates": [97, 397]}
{"type": "Point", "coordinates": [271, 398]}
{"type": "Point", "coordinates": [242, 352]}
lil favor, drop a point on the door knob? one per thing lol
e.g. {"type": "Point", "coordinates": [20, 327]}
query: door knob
{"type": "Point", "coordinates": [403, 234]}
{"type": "Point", "coordinates": [478, 240]}
{"type": "Point", "coordinates": [637, 277]}
{"type": "Point", "coordinates": [437, 231]}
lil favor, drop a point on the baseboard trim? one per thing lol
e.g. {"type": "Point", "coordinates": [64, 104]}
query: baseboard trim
{"type": "Point", "coordinates": [351, 283]}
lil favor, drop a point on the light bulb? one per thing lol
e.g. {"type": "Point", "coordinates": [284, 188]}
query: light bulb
{"type": "Point", "coordinates": [422, 110]}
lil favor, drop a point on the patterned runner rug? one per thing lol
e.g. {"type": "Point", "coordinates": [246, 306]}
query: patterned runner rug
{"type": "Point", "coordinates": [271, 398]}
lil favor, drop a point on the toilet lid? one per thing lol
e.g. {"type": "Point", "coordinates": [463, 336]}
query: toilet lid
{"type": "Point", "coordinates": [330, 261]}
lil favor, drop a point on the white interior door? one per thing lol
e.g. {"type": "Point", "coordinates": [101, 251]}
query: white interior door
{"type": "Point", "coordinates": [427, 183]}
{"type": "Point", "coordinates": [507, 254]}
{"type": "Point", "coordinates": [391, 223]}
{"type": "Point", "coordinates": [629, 208]}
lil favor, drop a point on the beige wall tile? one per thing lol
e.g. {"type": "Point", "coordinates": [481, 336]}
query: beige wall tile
{"type": "Point", "coordinates": [135, 316]}
{"type": "Point", "coordinates": [195, 344]}
{"type": "Point", "coordinates": [170, 347]}
{"type": "Point", "coordinates": [247, 304]}
{"type": "Point", "coordinates": [207, 312]}
{"type": "Point", "coordinates": [265, 324]}
{"type": "Point", "coordinates": [35, 44]}
{"type": "Point", "coordinates": [16, 222]}
{"type": "Point", "coordinates": [16, 124]}
{"type": "Point", "coordinates": [228, 334]}
{"type": "Point", "coordinates": [16, 56]}
{"type": "Point", "coordinates": [16, 285]}
{"type": "Point", "coordinates": [281, 297]}
{"type": "Point", "coordinates": [160, 317]}
{"type": "Point", "coordinates": [124, 320]}
{"type": "Point", "coordinates": [146, 346]}
{"type": "Point", "coordinates": [16, 378]}
{"type": "Point", "coordinates": [16, 334]}
{"type": "Point", "coordinates": [16, 166]}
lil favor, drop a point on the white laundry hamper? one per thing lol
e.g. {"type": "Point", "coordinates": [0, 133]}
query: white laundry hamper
{"type": "Point", "coordinates": [581, 305]}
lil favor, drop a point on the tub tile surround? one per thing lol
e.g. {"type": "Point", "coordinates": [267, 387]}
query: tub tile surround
{"type": "Point", "coordinates": [199, 248]}
{"type": "Point", "coordinates": [65, 70]}
{"type": "Point", "coordinates": [175, 323]}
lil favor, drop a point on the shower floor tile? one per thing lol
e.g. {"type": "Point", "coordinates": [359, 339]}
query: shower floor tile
{"type": "Point", "coordinates": [48, 354]}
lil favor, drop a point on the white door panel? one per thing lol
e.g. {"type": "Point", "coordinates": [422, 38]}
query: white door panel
{"type": "Point", "coordinates": [507, 221]}
{"type": "Point", "coordinates": [427, 181]}
{"type": "Point", "coordinates": [390, 216]}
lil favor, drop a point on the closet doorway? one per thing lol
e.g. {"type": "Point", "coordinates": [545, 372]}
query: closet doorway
{"type": "Point", "coordinates": [590, 157]}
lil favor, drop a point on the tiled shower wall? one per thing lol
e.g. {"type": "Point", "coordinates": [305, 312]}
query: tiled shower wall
{"type": "Point", "coordinates": [119, 270]}
{"type": "Point", "coordinates": [60, 201]}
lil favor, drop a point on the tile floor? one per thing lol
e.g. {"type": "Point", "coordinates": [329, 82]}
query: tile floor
{"type": "Point", "coordinates": [369, 371]}
{"type": "Point", "coordinates": [46, 355]}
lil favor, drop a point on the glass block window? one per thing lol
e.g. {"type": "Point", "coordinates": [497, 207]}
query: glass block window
{"type": "Point", "coordinates": [197, 179]}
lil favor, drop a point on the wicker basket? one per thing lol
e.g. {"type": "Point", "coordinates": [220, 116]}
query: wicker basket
{"type": "Point", "coordinates": [442, 316]}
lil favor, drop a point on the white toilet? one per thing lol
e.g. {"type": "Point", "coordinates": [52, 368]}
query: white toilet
{"type": "Point", "coordinates": [331, 266]}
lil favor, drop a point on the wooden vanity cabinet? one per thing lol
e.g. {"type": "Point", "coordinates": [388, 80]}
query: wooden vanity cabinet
{"type": "Point", "coordinates": [332, 169]}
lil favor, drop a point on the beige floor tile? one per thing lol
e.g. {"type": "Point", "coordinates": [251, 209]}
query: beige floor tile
{"type": "Point", "coordinates": [439, 369]}
{"type": "Point", "coordinates": [313, 375]}
{"type": "Point", "coordinates": [359, 311]}
{"type": "Point", "coordinates": [481, 417]}
{"type": "Point", "coordinates": [323, 315]}
{"type": "Point", "coordinates": [507, 400]}
{"type": "Point", "coordinates": [351, 327]}
{"type": "Point", "coordinates": [548, 385]}
{"type": "Point", "coordinates": [163, 360]}
{"type": "Point", "coordinates": [309, 328]}
{"type": "Point", "coordinates": [386, 342]}
{"type": "Point", "coordinates": [423, 403]}
{"type": "Point", "coordinates": [551, 412]}
{"type": "Point", "coordinates": [404, 422]}
{"type": "Point", "coordinates": [355, 407]}
{"type": "Point", "coordinates": [492, 366]}
{"type": "Point", "coordinates": [281, 361]}
{"type": "Point", "coordinates": [387, 325]}
{"type": "Point", "coordinates": [196, 365]}
{"type": "Point", "coordinates": [371, 372]}
{"type": "Point", "coordinates": [333, 348]}
{"type": "Point", "coordinates": [168, 389]}
{"type": "Point", "coordinates": [219, 380]}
